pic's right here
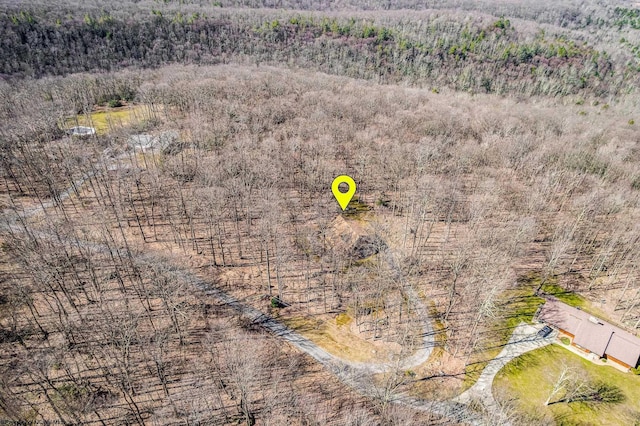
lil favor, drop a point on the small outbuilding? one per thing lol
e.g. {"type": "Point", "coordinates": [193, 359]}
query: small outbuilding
{"type": "Point", "coordinates": [82, 131]}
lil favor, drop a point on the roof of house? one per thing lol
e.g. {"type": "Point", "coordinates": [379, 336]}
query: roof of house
{"type": "Point", "coordinates": [625, 347]}
{"type": "Point", "coordinates": [82, 131]}
{"type": "Point", "coordinates": [592, 333]}
{"type": "Point", "coordinates": [594, 336]}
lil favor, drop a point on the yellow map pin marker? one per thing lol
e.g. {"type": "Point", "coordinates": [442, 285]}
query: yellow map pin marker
{"type": "Point", "coordinates": [343, 197]}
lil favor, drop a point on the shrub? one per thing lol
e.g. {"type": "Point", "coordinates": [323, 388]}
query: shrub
{"type": "Point", "coordinates": [410, 373]}
{"type": "Point", "coordinates": [502, 23]}
{"type": "Point", "coordinates": [631, 122]}
{"type": "Point", "coordinates": [565, 341]}
{"type": "Point", "coordinates": [343, 319]}
{"type": "Point", "coordinates": [588, 162]}
{"type": "Point", "coordinates": [383, 201]}
{"type": "Point", "coordinates": [277, 303]}
{"type": "Point", "coordinates": [114, 103]}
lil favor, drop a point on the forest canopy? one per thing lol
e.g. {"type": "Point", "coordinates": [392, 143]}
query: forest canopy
{"type": "Point", "coordinates": [475, 52]}
{"type": "Point", "coordinates": [171, 251]}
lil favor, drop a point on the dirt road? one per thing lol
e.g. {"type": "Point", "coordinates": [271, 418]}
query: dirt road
{"type": "Point", "coordinates": [356, 375]}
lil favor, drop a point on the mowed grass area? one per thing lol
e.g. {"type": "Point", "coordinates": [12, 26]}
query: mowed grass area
{"type": "Point", "coordinates": [568, 297]}
{"type": "Point", "coordinates": [515, 306]}
{"type": "Point", "coordinates": [573, 299]}
{"type": "Point", "coordinates": [109, 119]}
{"type": "Point", "coordinates": [335, 337]}
{"type": "Point", "coordinates": [530, 378]}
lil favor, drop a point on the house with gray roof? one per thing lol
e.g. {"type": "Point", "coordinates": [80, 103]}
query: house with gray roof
{"type": "Point", "coordinates": [591, 334]}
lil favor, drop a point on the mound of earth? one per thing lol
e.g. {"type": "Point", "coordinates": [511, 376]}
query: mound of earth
{"type": "Point", "coordinates": [354, 238]}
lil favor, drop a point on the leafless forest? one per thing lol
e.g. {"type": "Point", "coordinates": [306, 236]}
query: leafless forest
{"type": "Point", "coordinates": [146, 286]}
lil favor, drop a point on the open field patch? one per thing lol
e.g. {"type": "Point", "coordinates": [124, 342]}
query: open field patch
{"type": "Point", "coordinates": [335, 336]}
{"type": "Point", "coordinates": [106, 120]}
{"type": "Point", "coordinates": [530, 379]}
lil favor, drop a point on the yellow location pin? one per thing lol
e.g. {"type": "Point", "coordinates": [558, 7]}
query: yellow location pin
{"type": "Point", "coordinates": [343, 197]}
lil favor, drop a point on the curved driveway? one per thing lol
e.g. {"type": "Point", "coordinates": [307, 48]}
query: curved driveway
{"type": "Point", "coordinates": [524, 339]}
{"type": "Point", "coordinates": [355, 374]}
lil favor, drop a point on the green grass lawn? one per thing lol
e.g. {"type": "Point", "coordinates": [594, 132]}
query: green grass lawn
{"type": "Point", "coordinates": [515, 306]}
{"type": "Point", "coordinates": [530, 378]}
{"type": "Point", "coordinates": [575, 300]}
{"type": "Point", "coordinates": [568, 297]}
{"type": "Point", "coordinates": [105, 120]}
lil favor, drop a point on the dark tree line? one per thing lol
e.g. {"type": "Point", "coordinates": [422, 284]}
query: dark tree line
{"type": "Point", "coordinates": [483, 56]}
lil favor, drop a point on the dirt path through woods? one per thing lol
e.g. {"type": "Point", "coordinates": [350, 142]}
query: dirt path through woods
{"type": "Point", "coordinates": [357, 375]}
